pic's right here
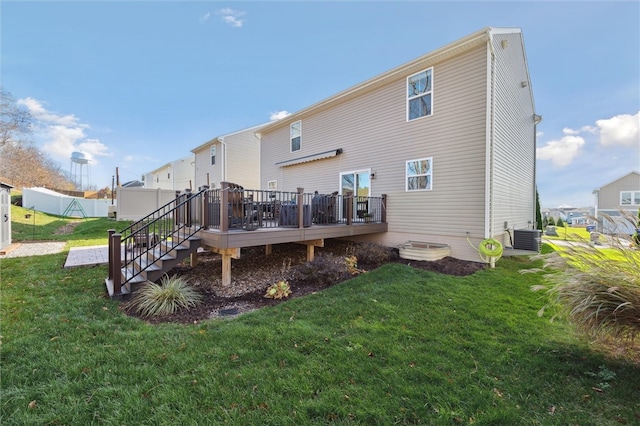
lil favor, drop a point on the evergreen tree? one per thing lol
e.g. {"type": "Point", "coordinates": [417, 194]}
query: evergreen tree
{"type": "Point", "coordinates": [552, 222]}
{"type": "Point", "coordinates": [560, 222]}
{"type": "Point", "coordinates": [538, 213]}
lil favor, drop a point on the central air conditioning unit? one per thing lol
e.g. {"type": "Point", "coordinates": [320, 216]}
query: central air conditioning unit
{"type": "Point", "coordinates": [527, 239]}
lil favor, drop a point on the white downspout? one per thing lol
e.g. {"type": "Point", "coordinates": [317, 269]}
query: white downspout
{"type": "Point", "coordinates": [224, 159]}
{"type": "Point", "coordinates": [489, 155]}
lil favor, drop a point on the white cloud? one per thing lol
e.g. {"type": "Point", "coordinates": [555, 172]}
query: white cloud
{"type": "Point", "coordinates": [40, 113]}
{"type": "Point", "coordinates": [232, 17]}
{"type": "Point", "coordinates": [623, 129]}
{"type": "Point", "coordinates": [568, 131]}
{"type": "Point", "coordinates": [561, 152]}
{"type": "Point", "coordinates": [63, 134]}
{"type": "Point", "coordinates": [278, 115]}
{"type": "Point", "coordinates": [205, 17]}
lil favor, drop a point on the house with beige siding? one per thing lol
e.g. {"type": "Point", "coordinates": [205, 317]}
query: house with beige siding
{"type": "Point", "coordinates": [176, 175]}
{"type": "Point", "coordinates": [449, 138]}
{"type": "Point", "coordinates": [610, 200]}
{"type": "Point", "coordinates": [234, 157]}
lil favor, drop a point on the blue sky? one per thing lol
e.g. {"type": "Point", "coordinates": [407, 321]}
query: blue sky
{"type": "Point", "coordinates": [136, 85]}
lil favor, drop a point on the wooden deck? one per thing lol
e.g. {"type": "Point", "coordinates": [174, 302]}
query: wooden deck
{"type": "Point", "coordinates": [228, 219]}
{"type": "Point", "coordinates": [265, 236]}
{"type": "Point", "coordinates": [228, 243]}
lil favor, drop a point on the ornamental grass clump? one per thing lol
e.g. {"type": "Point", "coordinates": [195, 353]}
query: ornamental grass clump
{"type": "Point", "coordinates": [168, 297]}
{"type": "Point", "coordinates": [598, 289]}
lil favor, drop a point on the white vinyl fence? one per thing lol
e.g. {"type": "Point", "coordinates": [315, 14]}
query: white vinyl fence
{"type": "Point", "coordinates": [136, 203]}
{"type": "Point", "coordinates": [48, 201]}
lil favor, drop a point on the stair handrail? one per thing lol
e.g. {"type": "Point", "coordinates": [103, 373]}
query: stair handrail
{"type": "Point", "coordinates": [179, 221]}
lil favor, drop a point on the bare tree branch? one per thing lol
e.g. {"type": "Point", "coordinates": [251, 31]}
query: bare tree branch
{"type": "Point", "coordinates": [15, 121]}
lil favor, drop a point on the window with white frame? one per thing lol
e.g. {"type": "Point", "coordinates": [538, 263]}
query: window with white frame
{"type": "Point", "coordinates": [419, 174]}
{"type": "Point", "coordinates": [272, 185]}
{"type": "Point", "coordinates": [213, 155]}
{"type": "Point", "coordinates": [296, 136]}
{"type": "Point", "coordinates": [630, 198]}
{"type": "Point", "coordinates": [419, 94]}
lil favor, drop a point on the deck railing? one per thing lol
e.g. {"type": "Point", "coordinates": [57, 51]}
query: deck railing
{"type": "Point", "coordinates": [235, 208]}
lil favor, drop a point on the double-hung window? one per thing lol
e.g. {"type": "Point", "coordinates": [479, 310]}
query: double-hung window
{"type": "Point", "coordinates": [296, 136]}
{"type": "Point", "coordinates": [419, 94]}
{"type": "Point", "coordinates": [419, 174]}
{"type": "Point", "coordinates": [630, 198]}
{"type": "Point", "coordinates": [213, 155]}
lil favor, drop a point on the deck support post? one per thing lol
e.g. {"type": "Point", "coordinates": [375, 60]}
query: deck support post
{"type": "Point", "coordinates": [310, 253]}
{"type": "Point", "coordinates": [193, 259]}
{"type": "Point", "coordinates": [227, 254]}
{"type": "Point", "coordinates": [268, 249]}
{"type": "Point", "coordinates": [311, 244]}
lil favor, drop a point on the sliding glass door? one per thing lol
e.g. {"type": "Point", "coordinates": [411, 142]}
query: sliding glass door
{"type": "Point", "coordinates": [358, 184]}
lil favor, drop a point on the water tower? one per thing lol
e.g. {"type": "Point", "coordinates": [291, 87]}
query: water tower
{"type": "Point", "coordinates": [80, 170]}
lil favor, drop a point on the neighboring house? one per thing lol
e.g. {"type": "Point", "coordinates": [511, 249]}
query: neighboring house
{"type": "Point", "coordinates": [449, 138]}
{"type": "Point", "coordinates": [176, 175]}
{"type": "Point", "coordinates": [623, 194]}
{"type": "Point", "coordinates": [5, 215]}
{"type": "Point", "coordinates": [230, 158]}
{"type": "Point", "coordinates": [579, 217]}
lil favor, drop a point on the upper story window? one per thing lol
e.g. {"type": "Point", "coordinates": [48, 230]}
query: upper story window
{"type": "Point", "coordinates": [630, 198]}
{"type": "Point", "coordinates": [419, 174]}
{"type": "Point", "coordinates": [296, 136]}
{"type": "Point", "coordinates": [272, 185]}
{"type": "Point", "coordinates": [419, 99]}
{"type": "Point", "coordinates": [213, 155]}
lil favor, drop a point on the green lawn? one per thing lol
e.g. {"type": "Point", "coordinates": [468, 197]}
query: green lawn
{"type": "Point", "coordinates": [392, 346]}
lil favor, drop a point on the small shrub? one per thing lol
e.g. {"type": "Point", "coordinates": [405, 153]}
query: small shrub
{"type": "Point", "coordinates": [325, 269]}
{"type": "Point", "coordinates": [171, 295]}
{"type": "Point", "coordinates": [279, 290]}
{"type": "Point", "coordinates": [373, 254]}
{"type": "Point", "coordinates": [352, 265]}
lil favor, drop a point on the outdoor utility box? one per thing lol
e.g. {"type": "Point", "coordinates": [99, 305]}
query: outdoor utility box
{"type": "Point", "coordinates": [527, 239]}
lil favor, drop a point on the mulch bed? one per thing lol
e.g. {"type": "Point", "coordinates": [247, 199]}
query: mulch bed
{"type": "Point", "coordinates": [255, 272]}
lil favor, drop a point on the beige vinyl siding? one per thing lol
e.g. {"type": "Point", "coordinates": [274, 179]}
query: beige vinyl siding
{"type": "Point", "coordinates": [373, 132]}
{"type": "Point", "coordinates": [513, 154]}
{"type": "Point", "coordinates": [609, 195]}
{"type": "Point", "coordinates": [203, 166]}
{"type": "Point", "coordinates": [242, 158]}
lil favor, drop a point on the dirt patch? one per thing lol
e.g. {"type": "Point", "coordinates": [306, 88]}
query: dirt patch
{"type": "Point", "coordinates": [254, 272]}
{"type": "Point", "coordinates": [67, 229]}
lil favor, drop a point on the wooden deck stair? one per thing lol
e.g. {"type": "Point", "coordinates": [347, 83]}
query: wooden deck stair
{"type": "Point", "coordinates": [153, 263]}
